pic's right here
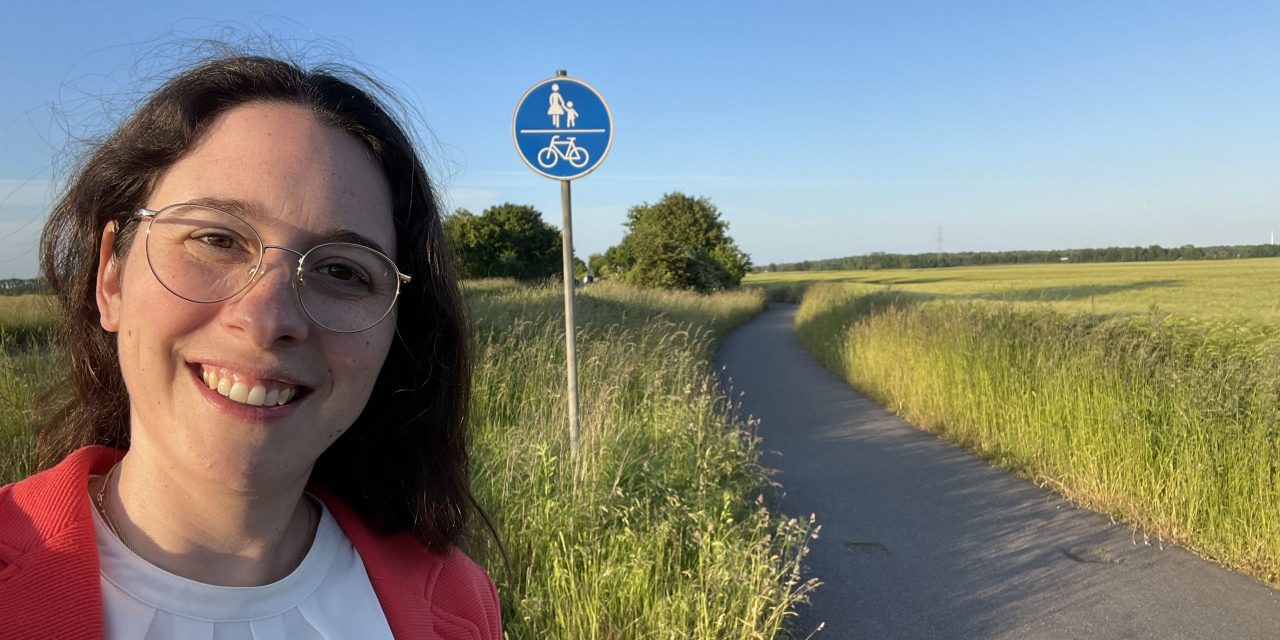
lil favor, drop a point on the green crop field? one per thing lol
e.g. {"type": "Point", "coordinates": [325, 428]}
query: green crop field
{"type": "Point", "coordinates": [1226, 289]}
{"type": "Point", "coordinates": [657, 530]}
{"type": "Point", "coordinates": [1150, 391]}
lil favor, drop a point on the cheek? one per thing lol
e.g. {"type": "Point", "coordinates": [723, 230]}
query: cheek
{"type": "Point", "coordinates": [360, 363]}
{"type": "Point", "coordinates": [355, 368]}
{"type": "Point", "coordinates": [152, 322]}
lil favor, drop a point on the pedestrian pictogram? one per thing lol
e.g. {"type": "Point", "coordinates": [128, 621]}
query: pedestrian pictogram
{"type": "Point", "coordinates": [562, 128]}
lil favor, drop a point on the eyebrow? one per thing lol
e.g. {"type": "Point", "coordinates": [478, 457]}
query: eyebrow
{"type": "Point", "coordinates": [252, 212]}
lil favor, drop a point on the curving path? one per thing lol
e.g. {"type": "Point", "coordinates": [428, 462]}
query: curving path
{"type": "Point", "coordinates": [921, 539]}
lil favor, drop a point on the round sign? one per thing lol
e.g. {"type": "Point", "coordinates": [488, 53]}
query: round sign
{"type": "Point", "coordinates": [562, 128]}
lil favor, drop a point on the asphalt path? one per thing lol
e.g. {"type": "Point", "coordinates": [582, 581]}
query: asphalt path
{"type": "Point", "coordinates": [921, 539]}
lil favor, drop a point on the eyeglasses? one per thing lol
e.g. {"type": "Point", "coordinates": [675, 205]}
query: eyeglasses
{"type": "Point", "coordinates": [207, 255]}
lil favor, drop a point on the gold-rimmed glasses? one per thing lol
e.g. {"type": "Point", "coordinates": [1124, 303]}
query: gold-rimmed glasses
{"type": "Point", "coordinates": [206, 255]}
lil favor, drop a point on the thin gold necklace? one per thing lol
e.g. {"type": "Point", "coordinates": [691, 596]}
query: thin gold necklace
{"type": "Point", "coordinates": [105, 510]}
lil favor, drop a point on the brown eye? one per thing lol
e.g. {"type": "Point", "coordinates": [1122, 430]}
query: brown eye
{"type": "Point", "coordinates": [347, 276]}
{"type": "Point", "coordinates": [341, 272]}
{"type": "Point", "coordinates": [217, 240]}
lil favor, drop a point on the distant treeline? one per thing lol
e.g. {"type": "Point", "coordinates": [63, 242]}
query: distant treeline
{"type": "Point", "coordinates": [973, 258]}
{"type": "Point", "coordinates": [22, 286]}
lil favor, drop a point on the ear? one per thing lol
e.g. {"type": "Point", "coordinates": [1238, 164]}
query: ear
{"type": "Point", "coordinates": [108, 287]}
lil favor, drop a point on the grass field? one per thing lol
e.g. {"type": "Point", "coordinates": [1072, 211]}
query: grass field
{"type": "Point", "coordinates": [1206, 289]}
{"type": "Point", "coordinates": [1149, 391]}
{"type": "Point", "coordinates": [657, 530]}
{"type": "Point", "coordinates": [26, 369]}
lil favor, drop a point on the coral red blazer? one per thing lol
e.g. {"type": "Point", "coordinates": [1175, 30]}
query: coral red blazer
{"type": "Point", "coordinates": [49, 581]}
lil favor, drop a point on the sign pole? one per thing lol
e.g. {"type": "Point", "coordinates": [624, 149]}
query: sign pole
{"type": "Point", "coordinates": [571, 339]}
{"type": "Point", "coordinates": [563, 129]}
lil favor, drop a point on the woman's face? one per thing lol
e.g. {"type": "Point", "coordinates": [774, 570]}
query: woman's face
{"type": "Point", "coordinates": [299, 183]}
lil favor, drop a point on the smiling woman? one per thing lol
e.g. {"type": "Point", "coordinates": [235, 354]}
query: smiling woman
{"type": "Point", "coordinates": [268, 356]}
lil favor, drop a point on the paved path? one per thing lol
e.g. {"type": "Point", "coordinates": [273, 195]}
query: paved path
{"type": "Point", "coordinates": [923, 540]}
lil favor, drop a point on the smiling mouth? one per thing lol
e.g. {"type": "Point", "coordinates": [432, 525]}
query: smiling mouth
{"type": "Point", "coordinates": [240, 388]}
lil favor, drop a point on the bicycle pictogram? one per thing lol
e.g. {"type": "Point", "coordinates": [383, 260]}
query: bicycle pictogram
{"type": "Point", "coordinates": [567, 149]}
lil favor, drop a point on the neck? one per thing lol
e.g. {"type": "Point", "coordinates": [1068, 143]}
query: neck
{"type": "Point", "coordinates": [205, 531]}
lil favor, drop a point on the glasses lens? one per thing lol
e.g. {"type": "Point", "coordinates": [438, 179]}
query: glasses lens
{"type": "Point", "coordinates": [347, 287]}
{"type": "Point", "coordinates": [202, 254]}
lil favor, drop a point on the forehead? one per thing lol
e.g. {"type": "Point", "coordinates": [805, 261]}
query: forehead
{"type": "Point", "coordinates": [306, 179]}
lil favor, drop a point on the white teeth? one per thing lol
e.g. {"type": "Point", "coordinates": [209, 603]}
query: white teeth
{"type": "Point", "coordinates": [257, 395]}
{"type": "Point", "coordinates": [231, 385]}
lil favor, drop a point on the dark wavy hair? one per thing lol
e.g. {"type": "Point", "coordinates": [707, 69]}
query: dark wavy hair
{"type": "Point", "coordinates": [403, 464]}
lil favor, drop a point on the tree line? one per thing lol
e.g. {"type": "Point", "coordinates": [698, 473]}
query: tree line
{"type": "Point", "coordinates": [678, 242]}
{"type": "Point", "coordinates": [973, 258]}
{"type": "Point", "coordinates": [23, 286]}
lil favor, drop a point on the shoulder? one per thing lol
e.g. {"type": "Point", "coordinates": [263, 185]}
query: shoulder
{"type": "Point", "coordinates": [51, 502]}
{"type": "Point", "coordinates": [420, 588]}
{"type": "Point", "coordinates": [48, 558]}
{"type": "Point", "coordinates": [462, 588]}
{"type": "Point", "coordinates": [462, 599]}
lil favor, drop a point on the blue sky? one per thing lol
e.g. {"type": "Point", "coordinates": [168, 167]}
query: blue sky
{"type": "Point", "coordinates": [820, 129]}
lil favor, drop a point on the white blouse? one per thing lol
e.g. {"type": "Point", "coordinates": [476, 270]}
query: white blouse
{"type": "Point", "coordinates": [327, 596]}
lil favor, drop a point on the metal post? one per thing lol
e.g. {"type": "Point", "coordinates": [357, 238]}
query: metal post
{"type": "Point", "coordinates": [571, 350]}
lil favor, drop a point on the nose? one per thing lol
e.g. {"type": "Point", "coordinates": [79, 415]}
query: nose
{"type": "Point", "coordinates": [267, 312]}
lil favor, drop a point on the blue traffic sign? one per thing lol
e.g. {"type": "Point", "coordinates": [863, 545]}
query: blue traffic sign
{"type": "Point", "coordinates": [562, 128]}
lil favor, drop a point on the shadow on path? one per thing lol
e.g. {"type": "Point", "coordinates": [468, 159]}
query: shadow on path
{"type": "Point", "coordinates": [921, 539]}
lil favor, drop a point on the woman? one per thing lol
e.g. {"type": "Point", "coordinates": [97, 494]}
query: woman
{"type": "Point", "coordinates": [267, 351]}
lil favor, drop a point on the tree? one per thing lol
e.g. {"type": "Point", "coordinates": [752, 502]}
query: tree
{"type": "Point", "coordinates": [506, 241]}
{"type": "Point", "coordinates": [680, 242]}
{"type": "Point", "coordinates": [614, 264]}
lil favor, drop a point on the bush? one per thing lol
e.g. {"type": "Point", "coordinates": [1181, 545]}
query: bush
{"type": "Point", "coordinates": [506, 241]}
{"type": "Point", "coordinates": [680, 242]}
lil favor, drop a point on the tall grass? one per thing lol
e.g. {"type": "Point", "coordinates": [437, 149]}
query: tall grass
{"type": "Point", "coordinates": [24, 375]}
{"type": "Point", "coordinates": [656, 530]}
{"type": "Point", "coordinates": [26, 321]}
{"type": "Point", "coordinates": [1170, 424]}
{"type": "Point", "coordinates": [498, 303]}
{"type": "Point", "coordinates": [26, 369]}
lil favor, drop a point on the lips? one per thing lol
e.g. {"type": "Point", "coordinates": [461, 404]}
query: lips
{"type": "Point", "coordinates": [247, 390]}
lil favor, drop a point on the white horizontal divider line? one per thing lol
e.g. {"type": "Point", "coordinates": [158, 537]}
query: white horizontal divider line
{"type": "Point", "coordinates": [562, 131]}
